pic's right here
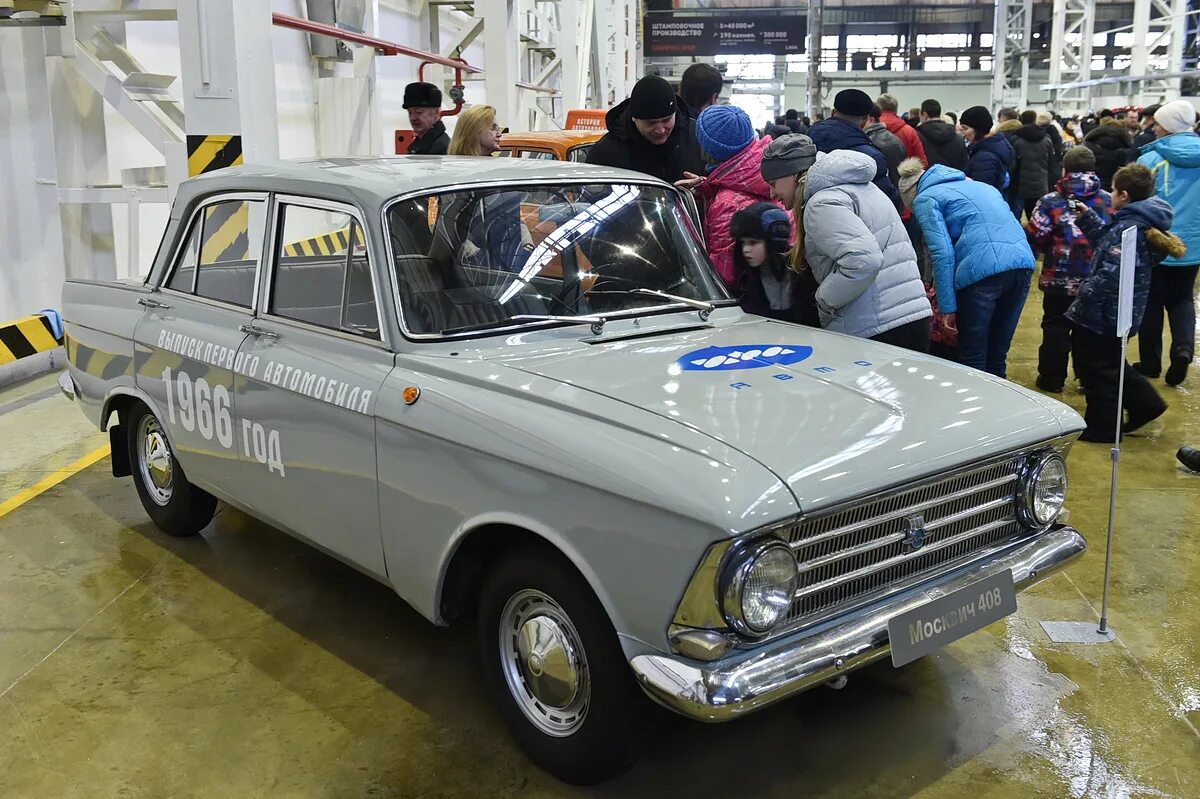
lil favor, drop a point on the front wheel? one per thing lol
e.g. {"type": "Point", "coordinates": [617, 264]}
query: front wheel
{"type": "Point", "coordinates": [553, 663]}
{"type": "Point", "coordinates": [176, 506]}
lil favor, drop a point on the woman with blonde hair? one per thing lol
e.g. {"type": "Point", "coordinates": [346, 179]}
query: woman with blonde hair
{"type": "Point", "coordinates": [476, 132]}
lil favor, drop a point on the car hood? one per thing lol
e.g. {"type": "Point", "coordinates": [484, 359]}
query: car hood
{"type": "Point", "coordinates": [834, 417]}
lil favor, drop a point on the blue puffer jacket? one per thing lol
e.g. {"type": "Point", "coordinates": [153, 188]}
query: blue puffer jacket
{"type": "Point", "coordinates": [991, 161]}
{"type": "Point", "coordinates": [970, 232]}
{"type": "Point", "coordinates": [838, 134]}
{"type": "Point", "coordinates": [1175, 162]}
{"type": "Point", "coordinates": [1095, 306]}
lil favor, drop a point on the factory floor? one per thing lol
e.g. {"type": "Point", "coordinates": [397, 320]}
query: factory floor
{"type": "Point", "coordinates": [242, 663]}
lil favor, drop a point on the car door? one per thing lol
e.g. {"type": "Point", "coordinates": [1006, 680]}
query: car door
{"type": "Point", "coordinates": [308, 413]}
{"type": "Point", "coordinates": [187, 342]}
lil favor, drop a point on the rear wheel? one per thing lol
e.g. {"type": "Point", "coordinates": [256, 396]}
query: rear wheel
{"type": "Point", "coordinates": [553, 663]}
{"type": "Point", "coordinates": [176, 506]}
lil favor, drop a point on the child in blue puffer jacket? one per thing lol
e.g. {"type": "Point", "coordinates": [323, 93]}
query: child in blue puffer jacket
{"type": "Point", "coordinates": [1095, 344]}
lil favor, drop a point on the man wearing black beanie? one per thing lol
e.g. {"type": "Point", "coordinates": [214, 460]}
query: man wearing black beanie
{"type": "Point", "coordinates": [844, 131]}
{"type": "Point", "coordinates": [651, 133]}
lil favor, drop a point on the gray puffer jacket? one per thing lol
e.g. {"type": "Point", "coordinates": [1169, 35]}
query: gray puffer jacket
{"type": "Point", "coordinates": [858, 250]}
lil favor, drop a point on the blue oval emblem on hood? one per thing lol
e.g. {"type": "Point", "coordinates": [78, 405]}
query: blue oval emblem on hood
{"type": "Point", "coordinates": [748, 356]}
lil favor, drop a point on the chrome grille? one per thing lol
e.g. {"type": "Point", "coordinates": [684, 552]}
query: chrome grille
{"type": "Point", "coordinates": [855, 552]}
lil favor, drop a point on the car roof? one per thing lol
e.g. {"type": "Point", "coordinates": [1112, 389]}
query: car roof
{"type": "Point", "coordinates": [549, 138]}
{"type": "Point", "coordinates": [374, 180]}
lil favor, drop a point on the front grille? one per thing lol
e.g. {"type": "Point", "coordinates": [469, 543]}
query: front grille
{"type": "Point", "coordinates": [858, 551]}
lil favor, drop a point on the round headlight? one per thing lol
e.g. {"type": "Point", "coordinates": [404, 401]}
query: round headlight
{"type": "Point", "coordinates": [1045, 489]}
{"type": "Point", "coordinates": [759, 587]}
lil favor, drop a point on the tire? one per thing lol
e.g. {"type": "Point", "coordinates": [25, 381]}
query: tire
{"type": "Point", "coordinates": [600, 727]}
{"type": "Point", "coordinates": [176, 506]}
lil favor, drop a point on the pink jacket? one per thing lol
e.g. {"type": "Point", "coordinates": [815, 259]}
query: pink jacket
{"type": "Point", "coordinates": [731, 187]}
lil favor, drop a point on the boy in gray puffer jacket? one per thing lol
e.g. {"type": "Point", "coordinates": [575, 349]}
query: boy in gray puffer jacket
{"type": "Point", "coordinates": [860, 254]}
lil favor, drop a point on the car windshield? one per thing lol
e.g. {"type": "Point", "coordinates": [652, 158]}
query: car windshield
{"type": "Point", "coordinates": [493, 257]}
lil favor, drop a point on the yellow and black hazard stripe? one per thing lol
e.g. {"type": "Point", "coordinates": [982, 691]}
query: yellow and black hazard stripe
{"type": "Point", "coordinates": [226, 226]}
{"type": "Point", "coordinates": [25, 337]}
{"type": "Point", "coordinates": [209, 153]}
{"type": "Point", "coordinates": [330, 243]}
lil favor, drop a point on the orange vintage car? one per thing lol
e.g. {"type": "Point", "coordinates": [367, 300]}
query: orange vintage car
{"type": "Point", "coordinates": [551, 145]}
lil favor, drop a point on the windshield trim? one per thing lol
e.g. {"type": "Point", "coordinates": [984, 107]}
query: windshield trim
{"type": "Point", "coordinates": [514, 184]}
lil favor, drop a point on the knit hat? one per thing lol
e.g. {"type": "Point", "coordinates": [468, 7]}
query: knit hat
{"type": "Point", "coordinates": [422, 95]}
{"type": "Point", "coordinates": [788, 155]}
{"type": "Point", "coordinates": [1079, 159]}
{"type": "Point", "coordinates": [765, 221]}
{"type": "Point", "coordinates": [724, 131]}
{"type": "Point", "coordinates": [652, 98]}
{"type": "Point", "coordinates": [1176, 117]}
{"type": "Point", "coordinates": [1044, 118]}
{"type": "Point", "coordinates": [978, 118]}
{"type": "Point", "coordinates": [853, 103]}
{"type": "Point", "coordinates": [911, 170]}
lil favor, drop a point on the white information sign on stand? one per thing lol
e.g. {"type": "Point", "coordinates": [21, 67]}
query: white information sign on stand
{"type": "Point", "coordinates": [1128, 267]}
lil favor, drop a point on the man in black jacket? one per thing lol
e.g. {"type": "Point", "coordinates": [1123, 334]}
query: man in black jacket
{"type": "Point", "coordinates": [844, 131]}
{"type": "Point", "coordinates": [650, 133]}
{"type": "Point", "coordinates": [1035, 153]}
{"type": "Point", "coordinates": [942, 144]}
{"type": "Point", "coordinates": [423, 102]}
{"type": "Point", "coordinates": [700, 87]}
{"type": "Point", "coordinates": [1147, 122]}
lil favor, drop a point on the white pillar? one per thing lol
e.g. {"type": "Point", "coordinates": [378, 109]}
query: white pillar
{"type": "Point", "coordinates": [229, 73]}
{"type": "Point", "coordinates": [501, 44]}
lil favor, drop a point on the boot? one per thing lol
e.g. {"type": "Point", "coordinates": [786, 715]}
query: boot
{"type": "Point", "coordinates": [1146, 370]}
{"type": "Point", "coordinates": [1177, 371]}
{"type": "Point", "coordinates": [1189, 457]}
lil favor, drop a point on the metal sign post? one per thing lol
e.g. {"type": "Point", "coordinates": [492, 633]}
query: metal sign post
{"type": "Point", "coordinates": [1079, 632]}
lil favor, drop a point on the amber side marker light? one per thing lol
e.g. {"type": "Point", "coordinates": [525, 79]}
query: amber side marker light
{"type": "Point", "coordinates": [411, 395]}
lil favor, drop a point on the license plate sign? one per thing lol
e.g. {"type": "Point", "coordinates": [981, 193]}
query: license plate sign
{"type": "Point", "coordinates": [926, 629]}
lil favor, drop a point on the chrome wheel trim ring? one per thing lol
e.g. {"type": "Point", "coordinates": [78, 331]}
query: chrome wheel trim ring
{"type": "Point", "coordinates": [544, 664]}
{"type": "Point", "coordinates": [156, 467]}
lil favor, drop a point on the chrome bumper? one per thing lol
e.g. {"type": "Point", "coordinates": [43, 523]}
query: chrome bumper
{"type": "Point", "coordinates": [66, 385]}
{"type": "Point", "coordinates": [756, 678]}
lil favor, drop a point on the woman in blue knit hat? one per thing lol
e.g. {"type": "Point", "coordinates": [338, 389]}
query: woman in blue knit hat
{"type": "Point", "coordinates": [728, 143]}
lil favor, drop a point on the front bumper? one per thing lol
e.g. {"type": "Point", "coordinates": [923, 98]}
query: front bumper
{"type": "Point", "coordinates": [756, 678]}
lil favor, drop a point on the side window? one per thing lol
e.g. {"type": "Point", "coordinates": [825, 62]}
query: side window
{"type": "Point", "coordinates": [579, 154]}
{"type": "Point", "coordinates": [322, 275]}
{"type": "Point", "coordinates": [538, 155]}
{"type": "Point", "coordinates": [184, 276]}
{"type": "Point", "coordinates": [222, 252]}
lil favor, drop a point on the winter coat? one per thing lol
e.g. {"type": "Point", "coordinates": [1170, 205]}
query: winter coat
{"type": "Point", "coordinates": [890, 146]}
{"type": "Point", "coordinates": [1053, 229]}
{"type": "Point", "coordinates": [906, 132]}
{"type": "Point", "coordinates": [1096, 306]}
{"type": "Point", "coordinates": [992, 161]}
{"type": "Point", "coordinates": [732, 186]}
{"type": "Point", "coordinates": [857, 249]}
{"type": "Point", "coordinates": [1147, 136]}
{"type": "Point", "coordinates": [752, 297]}
{"type": "Point", "coordinates": [1035, 153]}
{"type": "Point", "coordinates": [435, 141]}
{"type": "Point", "coordinates": [943, 145]}
{"type": "Point", "coordinates": [1056, 141]}
{"type": "Point", "coordinates": [623, 147]}
{"type": "Point", "coordinates": [1113, 149]}
{"type": "Point", "coordinates": [1175, 162]}
{"type": "Point", "coordinates": [970, 232]}
{"type": "Point", "coordinates": [838, 134]}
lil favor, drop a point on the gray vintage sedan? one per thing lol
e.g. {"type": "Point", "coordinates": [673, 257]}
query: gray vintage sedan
{"type": "Point", "coordinates": [517, 391]}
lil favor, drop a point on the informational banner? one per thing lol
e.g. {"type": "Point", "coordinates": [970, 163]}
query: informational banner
{"type": "Point", "coordinates": [669, 33]}
{"type": "Point", "coordinates": [1125, 293]}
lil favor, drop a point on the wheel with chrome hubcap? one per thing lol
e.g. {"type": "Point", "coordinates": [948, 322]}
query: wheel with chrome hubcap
{"type": "Point", "coordinates": [554, 664]}
{"type": "Point", "coordinates": [172, 502]}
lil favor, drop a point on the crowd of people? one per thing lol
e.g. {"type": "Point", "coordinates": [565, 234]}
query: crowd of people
{"type": "Point", "coordinates": [924, 230]}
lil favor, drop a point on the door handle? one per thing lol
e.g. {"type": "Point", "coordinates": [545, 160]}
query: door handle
{"type": "Point", "coordinates": [150, 302]}
{"type": "Point", "coordinates": [257, 332]}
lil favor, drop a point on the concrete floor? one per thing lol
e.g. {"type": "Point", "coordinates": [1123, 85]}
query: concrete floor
{"type": "Point", "coordinates": [242, 663]}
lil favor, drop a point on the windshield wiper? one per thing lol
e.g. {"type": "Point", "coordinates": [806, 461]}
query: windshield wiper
{"type": "Point", "coordinates": [597, 322]}
{"type": "Point", "coordinates": [705, 307]}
